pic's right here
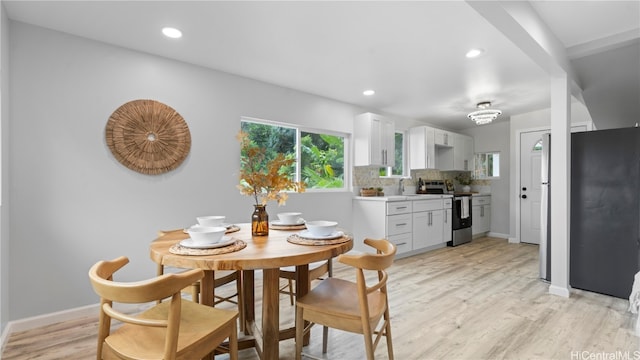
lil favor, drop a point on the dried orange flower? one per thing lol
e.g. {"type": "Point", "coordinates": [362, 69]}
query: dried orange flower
{"type": "Point", "coordinates": [262, 183]}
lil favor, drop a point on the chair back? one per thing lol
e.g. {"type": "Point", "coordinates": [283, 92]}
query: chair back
{"type": "Point", "coordinates": [380, 261]}
{"type": "Point", "coordinates": [161, 287]}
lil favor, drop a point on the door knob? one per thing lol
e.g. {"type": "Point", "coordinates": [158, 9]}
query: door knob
{"type": "Point", "coordinates": [524, 189]}
{"type": "Point", "coordinates": [524, 196]}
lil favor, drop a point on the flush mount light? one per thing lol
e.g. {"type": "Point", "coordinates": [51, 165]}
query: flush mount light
{"type": "Point", "coordinates": [172, 32]}
{"type": "Point", "coordinates": [474, 53]}
{"type": "Point", "coordinates": [368, 92]}
{"type": "Point", "coordinates": [484, 115]}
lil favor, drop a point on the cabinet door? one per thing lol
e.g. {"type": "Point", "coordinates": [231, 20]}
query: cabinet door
{"type": "Point", "coordinates": [476, 220]}
{"type": "Point", "coordinates": [463, 153]}
{"type": "Point", "coordinates": [447, 226]}
{"type": "Point", "coordinates": [485, 213]}
{"type": "Point", "coordinates": [374, 140]}
{"type": "Point", "coordinates": [402, 241]}
{"type": "Point", "coordinates": [398, 224]}
{"type": "Point", "coordinates": [422, 149]}
{"type": "Point", "coordinates": [444, 138]}
{"type": "Point", "coordinates": [427, 228]}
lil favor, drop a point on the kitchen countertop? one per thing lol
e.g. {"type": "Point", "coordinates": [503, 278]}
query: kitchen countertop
{"type": "Point", "coordinates": [416, 196]}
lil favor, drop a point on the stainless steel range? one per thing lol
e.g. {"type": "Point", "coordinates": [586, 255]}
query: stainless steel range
{"type": "Point", "coordinates": [461, 225]}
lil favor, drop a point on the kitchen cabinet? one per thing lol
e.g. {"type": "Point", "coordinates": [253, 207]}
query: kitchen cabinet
{"type": "Point", "coordinates": [383, 219]}
{"type": "Point", "coordinates": [428, 217]}
{"type": "Point", "coordinates": [480, 214]}
{"type": "Point", "coordinates": [447, 223]}
{"type": "Point", "coordinates": [374, 140]}
{"type": "Point", "coordinates": [422, 150]}
{"type": "Point", "coordinates": [463, 153]}
{"type": "Point", "coordinates": [444, 138]}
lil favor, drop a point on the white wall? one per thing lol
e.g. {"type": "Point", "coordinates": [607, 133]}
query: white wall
{"type": "Point", "coordinates": [74, 204]}
{"type": "Point", "coordinates": [4, 166]}
{"type": "Point", "coordinates": [495, 138]}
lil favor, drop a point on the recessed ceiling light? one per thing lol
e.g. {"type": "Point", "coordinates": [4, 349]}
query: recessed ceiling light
{"type": "Point", "coordinates": [474, 53]}
{"type": "Point", "coordinates": [172, 32]}
{"type": "Point", "coordinates": [368, 92]}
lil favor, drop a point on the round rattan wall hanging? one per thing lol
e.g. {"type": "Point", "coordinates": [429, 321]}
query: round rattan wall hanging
{"type": "Point", "coordinates": [148, 136]}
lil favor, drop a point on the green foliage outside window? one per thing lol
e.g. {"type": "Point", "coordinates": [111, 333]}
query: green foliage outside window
{"type": "Point", "coordinates": [321, 155]}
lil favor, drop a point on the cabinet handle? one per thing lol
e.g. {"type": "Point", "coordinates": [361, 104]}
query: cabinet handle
{"type": "Point", "coordinates": [481, 210]}
{"type": "Point", "coordinates": [401, 224]}
{"type": "Point", "coordinates": [430, 218]}
{"type": "Point", "coordinates": [402, 243]}
{"type": "Point", "coordinates": [446, 220]}
{"type": "Point", "coordinates": [401, 207]}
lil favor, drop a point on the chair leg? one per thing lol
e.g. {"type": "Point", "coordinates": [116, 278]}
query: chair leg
{"type": "Point", "coordinates": [291, 291]}
{"type": "Point", "coordinates": [325, 338]}
{"type": "Point", "coordinates": [299, 331]}
{"type": "Point", "coordinates": [233, 343]}
{"type": "Point", "coordinates": [240, 299]}
{"type": "Point", "coordinates": [387, 332]}
{"type": "Point", "coordinates": [368, 341]}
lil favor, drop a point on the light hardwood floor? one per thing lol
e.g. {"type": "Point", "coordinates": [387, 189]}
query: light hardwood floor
{"type": "Point", "coordinates": [481, 300]}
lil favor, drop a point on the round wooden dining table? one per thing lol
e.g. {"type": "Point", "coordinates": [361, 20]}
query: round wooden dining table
{"type": "Point", "coordinates": [266, 253]}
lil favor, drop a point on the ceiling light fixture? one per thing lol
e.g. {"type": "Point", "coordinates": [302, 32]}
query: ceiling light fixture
{"type": "Point", "coordinates": [474, 53]}
{"type": "Point", "coordinates": [368, 92]}
{"type": "Point", "coordinates": [484, 115]}
{"type": "Point", "coordinates": [172, 32]}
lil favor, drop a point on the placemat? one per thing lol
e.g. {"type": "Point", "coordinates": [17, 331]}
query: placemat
{"type": "Point", "coordinates": [183, 250]}
{"type": "Point", "coordinates": [297, 239]}
{"type": "Point", "coordinates": [287, 227]}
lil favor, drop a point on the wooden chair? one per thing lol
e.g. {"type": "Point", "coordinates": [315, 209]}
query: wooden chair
{"type": "Point", "coordinates": [316, 270]}
{"type": "Point", "coordinates": [221, 278]}
{"type": "Point", "coordinates": [173, 329]}
{"type": "Point", "coordinates": [353, 307]}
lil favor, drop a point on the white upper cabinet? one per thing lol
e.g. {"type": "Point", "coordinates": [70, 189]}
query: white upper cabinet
{"type": "Point", "coordinates": [444, 138]}
{"type": "Point", "coordinates": [422, 151]}
{"type": "Point", "coordinates": [463, 153]}
{"type": "Point", "coordinates": [374, 140]}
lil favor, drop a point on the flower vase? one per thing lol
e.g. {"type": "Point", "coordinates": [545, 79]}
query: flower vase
{"type": "Point", "coordinates": [260, 221]}
{"type": "Point", "coordinates": [466, 188]}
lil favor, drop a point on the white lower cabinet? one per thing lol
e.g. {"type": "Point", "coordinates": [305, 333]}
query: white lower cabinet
{"type": "Point", "coordinates": [428, 217]}
{"type": "Point", "coordinates": [414, 225]}
{"type": "Point", "coordinates": [447, 224]}
{"type": "Point", "coordinates": [480, 214]}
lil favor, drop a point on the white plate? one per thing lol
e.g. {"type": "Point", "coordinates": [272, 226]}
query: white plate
{"type": "Point", "coordinates": [224, 225]}
{"type": "Point", "coordinates": [280, 223]}
{"type": "Point", "coordinates": [226, 240]}
{"type": "Point", "coordinates": [308, 235]}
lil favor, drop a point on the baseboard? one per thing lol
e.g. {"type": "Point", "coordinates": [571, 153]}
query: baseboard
{"type": "Point", "coordinates": [56, 317]}
{"type": "Point", "coordinates": [498, 235]}
{"type": "Point", "coordinates": [559, 291]}
{"type": "Point", "coordinates": [513, 240]}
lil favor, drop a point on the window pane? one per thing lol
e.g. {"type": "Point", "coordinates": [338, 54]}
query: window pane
{"type": "Point", "coordinates": [322, 160]}
{"type": "Point", "coordinates": [398, 165]}
{"type": "Point", "coordinates": [275, 139]}
{"type": "Point", "coordinates": [487, 165]}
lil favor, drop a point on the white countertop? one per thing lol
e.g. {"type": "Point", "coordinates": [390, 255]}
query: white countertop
{"type": "Point", "coordinates": [411, 197]}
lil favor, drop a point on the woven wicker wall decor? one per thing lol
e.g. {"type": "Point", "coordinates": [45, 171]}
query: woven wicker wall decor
{"type": "Point", "coordinates": [148, 136]}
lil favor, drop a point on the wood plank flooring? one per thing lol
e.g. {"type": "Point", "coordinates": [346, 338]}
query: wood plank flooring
{"type": "Point", "coordinates": [481, 300]}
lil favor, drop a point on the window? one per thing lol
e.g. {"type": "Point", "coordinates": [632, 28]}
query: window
{"type": "Point", "coordinates": [487, 165]}
{"type": "Point", "coordinates": [320, 155]}
{"type": "Point", "coordinates": [398, 167]}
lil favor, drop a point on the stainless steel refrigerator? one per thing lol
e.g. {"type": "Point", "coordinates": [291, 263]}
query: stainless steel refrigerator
{"type": "Point", "coordinates": [545, 216]}
{"type": "Point", "coordinates": [604, 246]}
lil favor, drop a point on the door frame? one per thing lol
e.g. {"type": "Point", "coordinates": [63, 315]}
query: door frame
{"type": "Point", "coordinates": [515, 186]}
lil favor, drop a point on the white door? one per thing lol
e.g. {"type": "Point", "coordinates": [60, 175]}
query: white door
{"type": "Point", "coordinates": [530, 187]}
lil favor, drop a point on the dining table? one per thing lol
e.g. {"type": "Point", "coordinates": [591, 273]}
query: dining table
{"type": "Point", "coordinates": [282, 247]}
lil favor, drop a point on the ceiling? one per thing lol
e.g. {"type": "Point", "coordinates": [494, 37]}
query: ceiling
{"type": "Point", "coordinates": [411, 53]}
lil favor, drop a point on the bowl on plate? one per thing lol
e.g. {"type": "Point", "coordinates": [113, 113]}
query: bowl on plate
{"type": "Point", "coordinates": [211, 221]}
{"type": "Point", "coordinates": [206, 234]}
{"type": "Point", "coordinates": [289, 218]}
{"type": "Point", "coordinates": [321, 227]}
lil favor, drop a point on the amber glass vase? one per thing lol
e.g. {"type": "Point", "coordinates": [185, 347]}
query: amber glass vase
{"type": "Point", "coordinates": [260, 221]}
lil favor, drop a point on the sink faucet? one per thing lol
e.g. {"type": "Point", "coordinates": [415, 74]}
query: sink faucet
{"type": "Point", "coordinates": [401, 186]}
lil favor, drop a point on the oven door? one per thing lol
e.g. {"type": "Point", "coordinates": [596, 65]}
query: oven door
{"type": "Point", "coordinates": [458, 221]}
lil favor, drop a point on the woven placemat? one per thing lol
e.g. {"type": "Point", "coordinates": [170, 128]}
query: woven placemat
{"type": "Point", "coordinates": [287, 227]}
{"type": "Point", "coordinates": [297, 239]}
{"type": "Point", "coordinates": [183, 250]}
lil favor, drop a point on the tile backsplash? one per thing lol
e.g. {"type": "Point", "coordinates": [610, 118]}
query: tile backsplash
{"type": "Point", "coordinates": [368, 176]}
